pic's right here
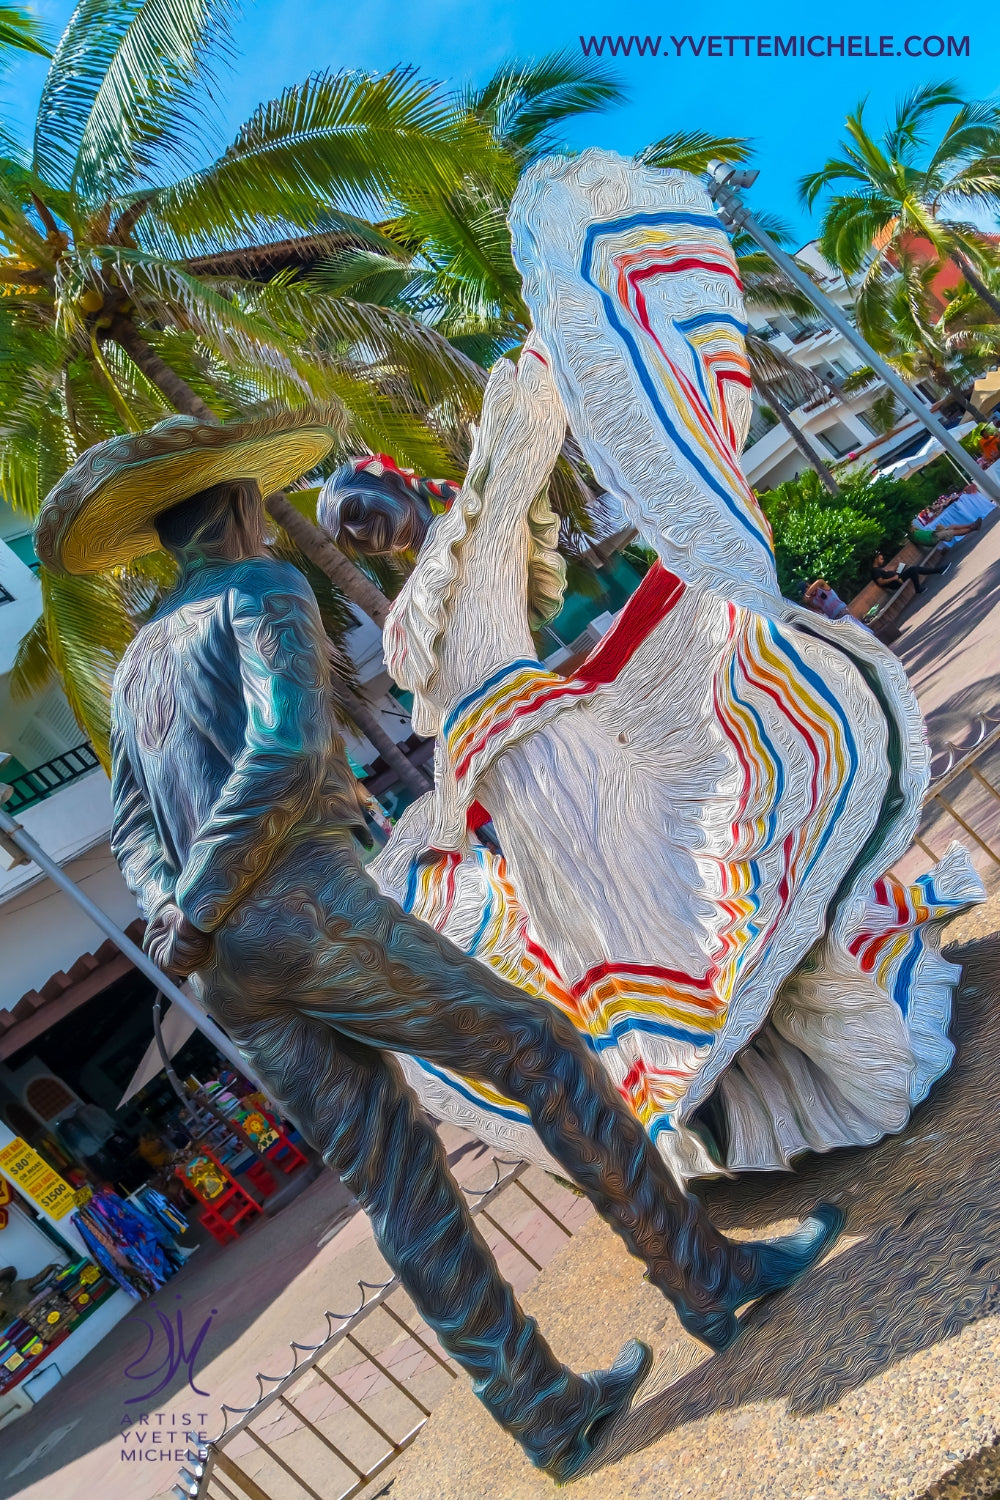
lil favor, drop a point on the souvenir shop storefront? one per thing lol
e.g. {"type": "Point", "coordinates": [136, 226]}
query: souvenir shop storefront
{"type": "Point", "coordinates": [111, 1175]}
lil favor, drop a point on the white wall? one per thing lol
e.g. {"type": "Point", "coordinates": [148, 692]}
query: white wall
{"type": "Point", "coordinates": [42, 930]}
{"type": "Point", "coordinates": [19, 614]}
{"type": "Point", "coordinates": [22, 1244]}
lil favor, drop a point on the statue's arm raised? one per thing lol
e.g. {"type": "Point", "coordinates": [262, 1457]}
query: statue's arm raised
{"type": "Point", "coordinates": [464, 611]}
{"type": "Point", "coordinates": [277, 773]}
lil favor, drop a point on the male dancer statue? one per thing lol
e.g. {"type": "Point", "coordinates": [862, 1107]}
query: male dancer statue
{"type": "Point", "coordinates": [234, 821]}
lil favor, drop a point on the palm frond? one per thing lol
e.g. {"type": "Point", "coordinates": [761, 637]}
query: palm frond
{"type": "Point", "coordinates": [87, 629]}
{"type": "Point", "coordinates": [913, 115]}
{"type": "Point", "coordinates": [123, 91]}
{"type": "Point", "coordinates": [524, 104]}
{"type": "Point", "coordinates": [34, 669]}
{"type": "Point", "coordinates": [770, 367]}
{"type": "Point", "coordinates": [21, 32]}
{"type": "Point", "coordinates": [372, 336]}
{"type": "Point", "coordinates": [339, 141]}
{"type": "Point", "coordinates": [692, 150]}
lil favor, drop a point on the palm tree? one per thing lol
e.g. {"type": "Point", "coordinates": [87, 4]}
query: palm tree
{"type": "Point", "coordinates": [907, 187]}
{"type": "Point", "coordinates": [923, 343]}
{"type": "Point", "coordinates": [125, 292]}
{"type": "Point", "coordinates": [970, 334]}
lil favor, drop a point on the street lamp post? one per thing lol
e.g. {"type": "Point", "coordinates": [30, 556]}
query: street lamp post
{"type": "Point", "coordinates": [723, 180]}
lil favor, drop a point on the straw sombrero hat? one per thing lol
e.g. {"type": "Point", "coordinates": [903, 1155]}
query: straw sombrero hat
{"type": "Point", "coordinates": [101, 512]}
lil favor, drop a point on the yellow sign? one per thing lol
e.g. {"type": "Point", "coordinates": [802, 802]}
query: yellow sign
{"type": "Point", "coordinates": [35, 1179]}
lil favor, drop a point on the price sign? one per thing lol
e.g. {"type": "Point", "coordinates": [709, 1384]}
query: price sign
{"type": "Point", "coordinates": [35, 1179]}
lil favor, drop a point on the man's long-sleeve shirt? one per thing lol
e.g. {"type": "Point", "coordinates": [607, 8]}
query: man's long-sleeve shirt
{"type": "Point", "coordinates": [223, 744]}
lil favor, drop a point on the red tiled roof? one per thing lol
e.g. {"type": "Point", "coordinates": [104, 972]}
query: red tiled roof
{"type": "Point", "coordinates": [59, 996]}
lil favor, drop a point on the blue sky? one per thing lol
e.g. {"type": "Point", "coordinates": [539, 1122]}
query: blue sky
{"type": "Point", "coordinates": [792, 107]}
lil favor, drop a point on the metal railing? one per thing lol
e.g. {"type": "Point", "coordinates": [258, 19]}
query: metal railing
{"type": "Point", "coordinates": [979, 815]}
{"type": "Point", "coordinates": [34, 786]}
{"type": "Point", "coordinates": [398, 1396]}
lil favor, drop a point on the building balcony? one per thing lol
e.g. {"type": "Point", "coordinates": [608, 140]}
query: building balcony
{"type": "Point", "coordinates": [34, 786]}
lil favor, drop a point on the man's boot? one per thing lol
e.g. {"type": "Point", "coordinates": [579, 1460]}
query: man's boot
{"type": "Point", "coordinates": [559, 1418]}
{"type": "Point", "coordinates": [767, 1267]}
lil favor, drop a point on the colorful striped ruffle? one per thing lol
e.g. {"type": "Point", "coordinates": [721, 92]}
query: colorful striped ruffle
{"type": "Point", "coordinates": [891, 941]}
{"type": "Point", "coordinates": [522, 697]}
{"type": "Point", "coordinates": [654, 1026]}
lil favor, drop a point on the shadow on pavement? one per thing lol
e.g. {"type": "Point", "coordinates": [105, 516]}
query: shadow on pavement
{"type": "Point", "coordinates": [926, 640]}
{"type": "Point", "coordinates": [927, 1264]}
{"type": "Point", "coordinates": [955, 718]}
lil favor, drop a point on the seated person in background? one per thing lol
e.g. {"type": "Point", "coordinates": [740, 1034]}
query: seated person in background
{"type": "Point", "coordinates": [924, 537]}
{"type": "Point", "coordinates": [989, 450]}
{"type": "Point", "coordinates": [821, 598]}
{"type": "Point", "coordinates": [894, 578]}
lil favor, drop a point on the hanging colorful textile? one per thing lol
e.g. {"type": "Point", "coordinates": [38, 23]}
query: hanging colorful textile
{"type": "Point", "coordinates": [127, 1244]}
{"type": "Point", "coordinates": [163, 1212]}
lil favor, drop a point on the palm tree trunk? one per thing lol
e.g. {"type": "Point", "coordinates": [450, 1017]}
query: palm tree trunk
{"type": "Point", "coordinates": [356, 709]}
{"type": "Point", "coordinates": [978, 285]}
{"type": "Point", "coordinates": [342, 573]}
{"type": "Point", "coordinates": [956, 395]}
{"type": "Point", "coordinates": [177, 391]}
{"type": "Point", "coordinates": [797, 436]}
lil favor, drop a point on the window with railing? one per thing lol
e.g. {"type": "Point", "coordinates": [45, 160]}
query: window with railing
{"type": "Point", "coordinates": [34, 786]}
{"type": "Point", "coordinates": [5, 597]}
{"type": "Point", "coordinates": [761, 424]}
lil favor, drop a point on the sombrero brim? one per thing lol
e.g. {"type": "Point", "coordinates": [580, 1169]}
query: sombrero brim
{"type": "Point", "coordinates": [100, 514]}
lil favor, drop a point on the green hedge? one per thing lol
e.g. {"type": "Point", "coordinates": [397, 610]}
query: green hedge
{"type": "Point", "coordinates": [819, 535]}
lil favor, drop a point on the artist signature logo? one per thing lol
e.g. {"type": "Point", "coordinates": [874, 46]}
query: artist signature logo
{"type": "Point", "coordinates": [167, 1344]}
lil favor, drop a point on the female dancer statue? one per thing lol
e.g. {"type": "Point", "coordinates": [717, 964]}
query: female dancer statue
{"type": "Point", "coordinates": [697, 825]}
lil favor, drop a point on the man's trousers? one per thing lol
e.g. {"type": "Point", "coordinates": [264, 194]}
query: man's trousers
{"type": "Point", "coordinates": [312, 978]}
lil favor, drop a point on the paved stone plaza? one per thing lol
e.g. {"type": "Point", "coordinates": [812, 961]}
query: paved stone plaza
{"type": "Point", "coordinates": [877, 1376]}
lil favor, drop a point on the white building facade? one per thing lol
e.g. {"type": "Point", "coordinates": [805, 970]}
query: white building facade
{"type": "Point", "coordinates": [838, 425]}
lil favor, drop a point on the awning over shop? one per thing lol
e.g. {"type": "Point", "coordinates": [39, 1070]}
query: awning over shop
{"type": "Point", "coordinates": [926, 454]}
{"type": "Point", "coordinates": [176, 1028]}
{"type": "Point", "coordinates": [36, 1011]}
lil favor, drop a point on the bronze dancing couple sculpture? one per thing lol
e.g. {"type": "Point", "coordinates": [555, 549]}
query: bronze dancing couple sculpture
{"type": "Point", "coordinates": [237, 822]}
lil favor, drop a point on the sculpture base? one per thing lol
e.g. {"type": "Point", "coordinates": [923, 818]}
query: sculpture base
{"type": "Point", "coordinates": [874, 1377]}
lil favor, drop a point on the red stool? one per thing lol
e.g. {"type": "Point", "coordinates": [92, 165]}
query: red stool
{"type": "Point", "coordinates": [224, 1209]}
{"type": "Point", "coordinates": [220, 1230]}
{"type": "Point", "coordinates": [285, 1156]}
{"type": "Point", "coordinates": [261, 1179]}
